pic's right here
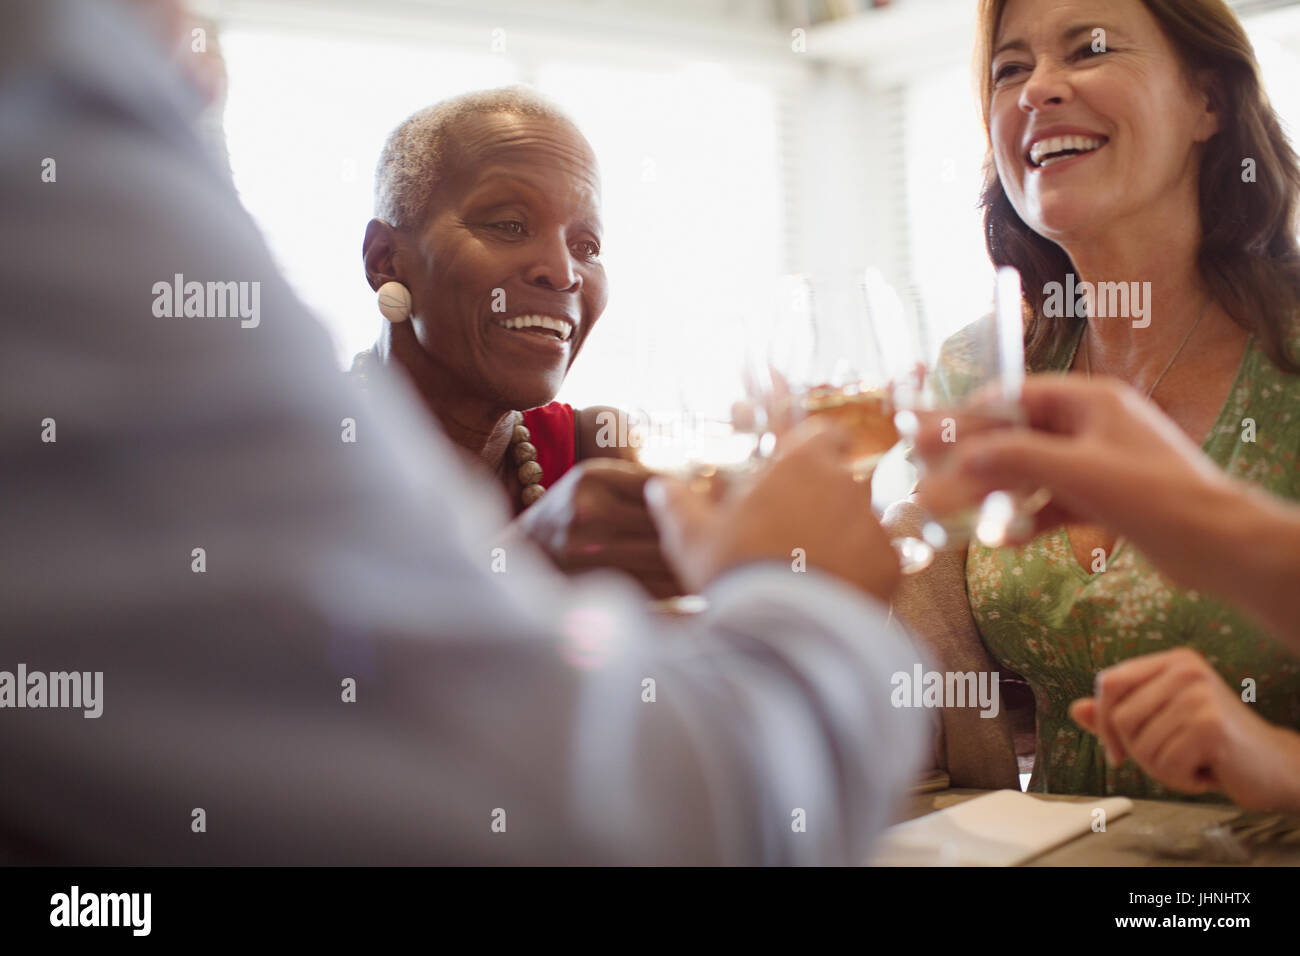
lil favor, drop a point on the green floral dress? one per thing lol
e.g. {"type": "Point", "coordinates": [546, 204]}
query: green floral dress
{"type": "Point", "coordinates": [1047, 618]}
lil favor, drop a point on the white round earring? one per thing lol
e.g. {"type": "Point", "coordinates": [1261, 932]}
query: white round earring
{"type": "Point", "coordinates": [395, 301]}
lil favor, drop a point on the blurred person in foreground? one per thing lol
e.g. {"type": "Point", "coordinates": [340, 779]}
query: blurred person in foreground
{"type": "Point", "coordinates": [486, 244]}
{"type": "Point", "coordinates": [1111, 458]}
{"type": "Point", "coordinates": [298, 634]}
{"type": "Point", "coordinates": [1117, 131]}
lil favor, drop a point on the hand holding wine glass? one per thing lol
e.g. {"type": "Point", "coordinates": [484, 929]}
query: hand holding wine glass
{"type": "Point", "coordinates": [774, 516]}
{"type": "Point", "coordinates": [981, 392]}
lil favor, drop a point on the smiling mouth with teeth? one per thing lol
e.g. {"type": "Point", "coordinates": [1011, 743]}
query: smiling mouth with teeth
{"type": "Point", "coordinates": [548, 325]}
{"type": "Point", "coordinates": [1057, 149]}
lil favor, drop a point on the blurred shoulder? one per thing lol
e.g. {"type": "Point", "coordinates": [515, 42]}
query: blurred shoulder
{"type": "Point", "coordinates": [959, 359]}
{"type": "Point", "coordinates": [605, 432]}
{"type": "Point", "coordinates": [365, 365]}
{"type": "Point", "coordinates": [1263, 370]}
{"type": "Point", "coordinates": [1291, 338]}
{"type": "Point", "coordinates": [961, 346]}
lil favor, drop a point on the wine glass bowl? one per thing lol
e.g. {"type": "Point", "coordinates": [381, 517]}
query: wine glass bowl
{"type": "Point", "coordinates": [866, 413]}
{"type": "Point", "coordinates": [842, 346]}
{"type": "Point", "coordinates": [983, 394]}
{"type": "Point", "coordinates": [703, 451]}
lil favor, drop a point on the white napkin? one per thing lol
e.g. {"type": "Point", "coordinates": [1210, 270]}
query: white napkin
{"type": "Point", "coordinates": [1002, 828]}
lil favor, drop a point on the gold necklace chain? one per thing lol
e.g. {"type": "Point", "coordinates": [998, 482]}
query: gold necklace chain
{"type": "Point", "coordinates": [1087, 360]}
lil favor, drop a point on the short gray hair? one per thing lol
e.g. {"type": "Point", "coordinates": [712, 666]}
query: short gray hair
{"type": "Point", "coordinates": [414, 161]}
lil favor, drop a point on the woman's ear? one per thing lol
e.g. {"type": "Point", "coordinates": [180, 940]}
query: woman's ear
{"type": "Point", "coordinates": [379, 252]}
{"type": "Point", "coordinates": [1210, 121]}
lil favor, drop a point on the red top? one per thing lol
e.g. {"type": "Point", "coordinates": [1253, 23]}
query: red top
{"type": "Point", "coordinates": [552, 432]}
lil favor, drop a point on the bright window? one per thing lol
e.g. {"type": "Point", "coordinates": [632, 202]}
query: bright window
{"type": "Point", "coordinates": [691, 173]}
{"type": "Point", "coordinates": [305, 120]}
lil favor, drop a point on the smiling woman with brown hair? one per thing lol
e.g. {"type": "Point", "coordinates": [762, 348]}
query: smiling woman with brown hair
{"type": "Point", "coordinates": [485, 252]}
{"type": "Point", "coordinates": [1130, 142]}
{"type": "Point", "coordinates": [1245, 189]}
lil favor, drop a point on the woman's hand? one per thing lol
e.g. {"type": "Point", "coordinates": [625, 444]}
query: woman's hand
{"type": "Point", "coordinates": [1173, 714]}
{"type": "Point", "coordinates": [595, 517]}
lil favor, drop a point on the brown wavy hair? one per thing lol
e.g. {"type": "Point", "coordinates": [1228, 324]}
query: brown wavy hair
{"type": "Point", "coordinates": [1249, 254]}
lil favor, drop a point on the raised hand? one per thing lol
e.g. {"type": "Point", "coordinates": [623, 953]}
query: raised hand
{"type": "Point", "coordinates": [596, 517]}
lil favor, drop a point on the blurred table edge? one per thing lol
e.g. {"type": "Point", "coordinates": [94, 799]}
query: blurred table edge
{"type": "Point", "coordinates": [1117, 845]}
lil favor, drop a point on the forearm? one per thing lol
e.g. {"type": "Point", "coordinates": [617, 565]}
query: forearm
{"type": "Point", "coordinates": [1288, 760]}
{"type": "Point", "coordinates": [1251, 555]}
{"type": "Point", "coordinates": [1208, 531]}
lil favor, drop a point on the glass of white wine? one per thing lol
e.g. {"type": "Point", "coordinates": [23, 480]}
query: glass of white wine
{"type": "Point", "coordinates": [981, 390]}
{"type": "Point", "coordinates": [842, 347]}
{"type": "Point", "coordinates": [691, 430]}
{"type": "Point", "coordinates": [699, 446]}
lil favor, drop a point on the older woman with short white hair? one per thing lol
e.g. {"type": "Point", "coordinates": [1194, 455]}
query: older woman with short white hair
{"type": "Point", "coordinates": [485, 251]}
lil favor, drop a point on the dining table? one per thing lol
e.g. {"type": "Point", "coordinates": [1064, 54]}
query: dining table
{"type": "Point", "coordinates": [1152, 833]}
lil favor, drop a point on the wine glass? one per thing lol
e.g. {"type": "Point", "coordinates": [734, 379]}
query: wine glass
{"type": "Point", "coordinates": [697, 445]}
{"type": "Point", "coordinates": [981, 388]}
{"type": "Point", "coordinates": [843, 347]}
{"type": "Point", "coordinates": [691, 430]}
